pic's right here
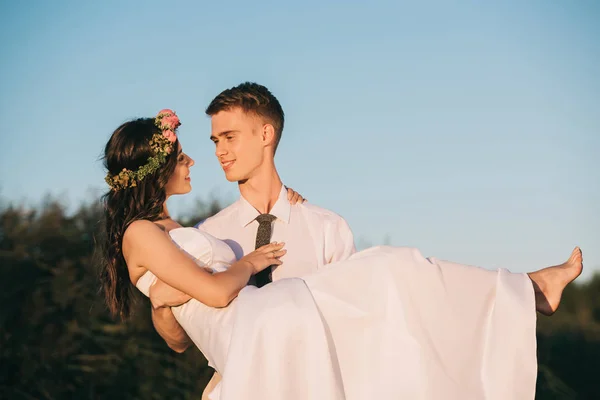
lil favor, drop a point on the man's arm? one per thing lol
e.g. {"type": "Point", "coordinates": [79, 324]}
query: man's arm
{"type": "Point", "coordinates": [342, 241]}
{"type": "Point", "coordinates": [169, 329]}
{"type": "Point", "coordinates": [162, 297]}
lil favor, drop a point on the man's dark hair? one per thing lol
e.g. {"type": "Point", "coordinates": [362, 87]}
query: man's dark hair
{"type": "Point", "coordinates": [252, 98]}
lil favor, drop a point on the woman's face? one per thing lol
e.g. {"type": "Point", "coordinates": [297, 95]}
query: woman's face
{"type": "Point", "coordinates": [180, 181]}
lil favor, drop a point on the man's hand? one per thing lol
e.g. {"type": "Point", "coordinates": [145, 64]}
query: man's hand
{"type": "Point", "coordinates": [163, 295]}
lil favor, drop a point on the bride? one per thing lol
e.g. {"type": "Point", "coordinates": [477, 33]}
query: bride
{"type": "Point", "coordinates": [387, 323]}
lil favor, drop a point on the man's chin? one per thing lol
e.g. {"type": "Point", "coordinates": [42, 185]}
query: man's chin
{"type": "Point", "coordinates": [234, 177]}
{"type": "Point", "coordinates": [231, 178]}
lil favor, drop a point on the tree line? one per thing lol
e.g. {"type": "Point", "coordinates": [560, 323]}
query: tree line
{"type": "Point", "coordinates": [57, 340]}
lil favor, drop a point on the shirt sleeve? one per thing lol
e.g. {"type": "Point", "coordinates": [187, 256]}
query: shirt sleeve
{"type": "Point", "coordinates": [343, 241]}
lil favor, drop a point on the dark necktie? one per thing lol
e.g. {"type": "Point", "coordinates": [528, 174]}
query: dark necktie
{"type": "Point", "coordinates": [263, 237]}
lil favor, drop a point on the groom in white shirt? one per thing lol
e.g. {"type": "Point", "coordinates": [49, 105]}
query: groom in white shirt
{"type": "Point", "coordinates": [247, 123]}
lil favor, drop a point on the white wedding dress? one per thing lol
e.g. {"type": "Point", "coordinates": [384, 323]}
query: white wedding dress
{"type": "Point", "coordinates": [385, 324]}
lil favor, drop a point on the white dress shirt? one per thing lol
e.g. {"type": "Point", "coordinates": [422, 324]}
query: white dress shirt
{"type": "Point", "coordinates": [313, 236]}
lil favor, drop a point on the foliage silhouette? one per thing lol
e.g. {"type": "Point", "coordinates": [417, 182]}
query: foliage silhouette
{"type": "Point", "coordinates": [57, 340]}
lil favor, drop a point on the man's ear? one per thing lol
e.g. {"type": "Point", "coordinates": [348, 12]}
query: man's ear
{"type": "Point", "coordinates": [268, 134]}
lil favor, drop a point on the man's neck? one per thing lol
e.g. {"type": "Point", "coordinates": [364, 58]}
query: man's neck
{"type": "Point", "coordinates": [262, 190]}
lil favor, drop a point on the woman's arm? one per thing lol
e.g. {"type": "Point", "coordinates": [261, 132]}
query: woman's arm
{"type": "Point", "coordinates": [146, 245]}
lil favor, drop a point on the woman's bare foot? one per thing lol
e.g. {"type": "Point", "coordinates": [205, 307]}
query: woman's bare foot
{"type": "Point", "coordinates": [549, 283]}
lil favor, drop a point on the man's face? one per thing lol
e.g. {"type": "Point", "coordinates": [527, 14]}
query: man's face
{"type": "Point", "coordinates": [239, 144]}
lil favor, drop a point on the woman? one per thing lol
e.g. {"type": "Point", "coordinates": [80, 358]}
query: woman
{"type": "Point", "coordinates": [385, 324]}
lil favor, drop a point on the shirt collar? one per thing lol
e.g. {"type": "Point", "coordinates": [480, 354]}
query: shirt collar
{"type": "Point", "coordinates": [281, 209]}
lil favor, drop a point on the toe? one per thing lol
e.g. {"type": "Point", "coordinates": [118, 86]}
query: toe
{"type": "Point", "coordinates": [576, 255]}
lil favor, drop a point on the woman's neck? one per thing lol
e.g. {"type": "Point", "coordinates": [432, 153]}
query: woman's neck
{"type": "Point", "coordinates": [166, 221]}
{"type": "Point", "coordinates": [165, 213]}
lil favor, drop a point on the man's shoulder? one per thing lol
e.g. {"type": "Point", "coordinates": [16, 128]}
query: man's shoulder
{"type": "Point", "coordinates": [319, 212]}
{"type": "Point", "coordinates": [338, 237]}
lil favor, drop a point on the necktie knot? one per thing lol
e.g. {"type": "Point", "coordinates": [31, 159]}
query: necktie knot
{"type": "Point", "coordinates": [263, 218]}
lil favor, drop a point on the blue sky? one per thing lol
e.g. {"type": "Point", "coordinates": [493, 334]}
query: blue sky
{"type": "Point", "coordinates": [469, 130]}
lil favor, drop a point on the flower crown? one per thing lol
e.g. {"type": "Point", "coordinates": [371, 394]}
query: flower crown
{"type": "Point", "coordinates": [161, 144]}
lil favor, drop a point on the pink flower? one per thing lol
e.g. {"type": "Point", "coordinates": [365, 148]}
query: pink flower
{"type": "Point", "coordinates": [166, 111]}
{"type": "Point", "coordinates": [172, 122]}
{"type": "Point", "coordinates": [170, 135]}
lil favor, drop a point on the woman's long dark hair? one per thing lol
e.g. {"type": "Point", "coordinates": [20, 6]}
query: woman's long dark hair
{"type": "Point", "coordinates": [129, 147]}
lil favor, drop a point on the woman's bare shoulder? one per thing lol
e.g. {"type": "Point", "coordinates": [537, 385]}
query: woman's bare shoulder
{"type": "Point", "coordinates": [141, 229]}
{"type": "Point", "coordinates": [142, 236]}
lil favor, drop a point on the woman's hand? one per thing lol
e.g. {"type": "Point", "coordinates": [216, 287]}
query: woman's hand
{"type": "Point", "coordinates": [294, 197]}
{"type": "Point", "coordinates": [265, 256]}
{"type": "Point", "coordinates": [163, 295]}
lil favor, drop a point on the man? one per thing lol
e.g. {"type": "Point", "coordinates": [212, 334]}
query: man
{"type": "Point", "coordinates": [247, 124]}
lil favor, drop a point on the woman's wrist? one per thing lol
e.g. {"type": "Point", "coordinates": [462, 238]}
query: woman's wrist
{"type": "Point", "coordinates": [247, 265]}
